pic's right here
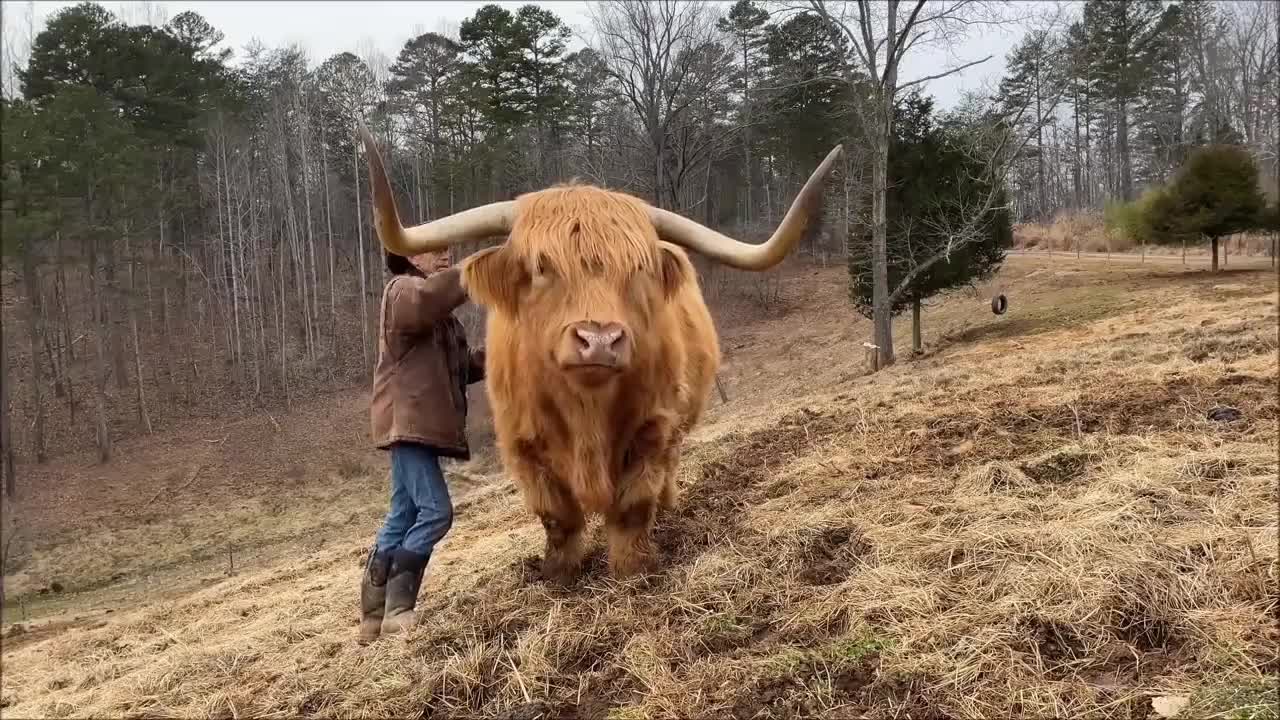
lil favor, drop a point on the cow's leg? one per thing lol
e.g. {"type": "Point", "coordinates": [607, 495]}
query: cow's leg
{"type": "Point", "coordinates": [628, 528]}
{"type": "Point", "coordinates": [648, 482]}
{"type": "Point", "coordinates": [561, 515]}
{"type": "Point", "coordinates": [670, 492]}
{"type": "Point", "coordinates": [669, 495]}
{"type": "Point", "coordinates": [562, 558]}
{"type": "Point", "coordinates": [563, 521]}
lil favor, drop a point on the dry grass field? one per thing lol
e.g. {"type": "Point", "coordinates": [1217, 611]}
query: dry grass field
{"type": "Point", "coordinates": [1076, 232]}
{"type": "Point", "coordinates": [1035, 518]}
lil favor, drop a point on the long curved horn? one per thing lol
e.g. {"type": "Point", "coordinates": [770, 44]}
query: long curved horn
{"type": "Point", "coordinates": [745, 256]}
{"type": "Point", "coordinates": [476, 223]}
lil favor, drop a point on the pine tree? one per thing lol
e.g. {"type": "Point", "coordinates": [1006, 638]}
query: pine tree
{"type": "Point", "coordinates": [936, 181]}
{"type": "Point", "coordinates": [1121, 38]}
{"type": "Point", "coordinates": [1165, 98]}
{"type": "Point", "coordinates": [746, 24]}
{"type": "Point", "coordinates": [1025, 93]}
{"type": "Point", "coordinates": [1214, 195]}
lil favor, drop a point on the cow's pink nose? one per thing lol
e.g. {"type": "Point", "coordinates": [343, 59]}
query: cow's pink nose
{"type": "Point", "coordinates": [600, 344]}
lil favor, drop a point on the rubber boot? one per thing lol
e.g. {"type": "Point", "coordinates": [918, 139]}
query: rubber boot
{"type": "Point", "coordinates": [373, 594]}
{"type": "Point", "coordinates": [402, 591]}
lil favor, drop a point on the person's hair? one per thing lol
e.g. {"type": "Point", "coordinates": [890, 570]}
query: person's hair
{"type": "Point", "coordinates": [400, 265]}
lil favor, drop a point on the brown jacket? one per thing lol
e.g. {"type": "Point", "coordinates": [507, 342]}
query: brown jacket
{"type": "Point", "coordinates": [424, 365]}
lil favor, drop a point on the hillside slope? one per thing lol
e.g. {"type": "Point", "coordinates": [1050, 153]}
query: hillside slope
{"type": "Point", "coordinates": [1037, 518]}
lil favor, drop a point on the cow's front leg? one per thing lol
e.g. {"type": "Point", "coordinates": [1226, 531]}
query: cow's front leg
{"type": "Point", "coordinates": [629, 529]}
{"type": "Point", "coordinates": [562, 558]}
{"type": "Point", "coordinates": [563, 522]}
{"type": "Point", "coordinates": [561, 516]}
{"type": "Point", "coordinates": [645, 483]}
{"type": "Point", "coordinates": [669, 496]}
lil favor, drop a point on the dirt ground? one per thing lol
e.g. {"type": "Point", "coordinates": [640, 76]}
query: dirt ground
{"type": "Point", "coordinates": [1047, 513]}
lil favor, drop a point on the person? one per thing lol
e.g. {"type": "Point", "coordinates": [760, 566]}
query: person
{"type": "Point", "coordinates": [419, 414]}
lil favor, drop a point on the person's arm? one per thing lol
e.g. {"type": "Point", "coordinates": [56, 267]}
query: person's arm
{"type": "Point", "coordinates": [418, 303]}
{"type": "Point", "coordinates": [475, 366]}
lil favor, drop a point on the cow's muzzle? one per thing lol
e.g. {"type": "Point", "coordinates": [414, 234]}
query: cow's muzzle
{"type": "Point", "coordinates": [605, 346]}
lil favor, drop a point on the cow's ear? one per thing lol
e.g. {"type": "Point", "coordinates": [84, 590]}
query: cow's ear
{"type": "Point", "coordinates": [676, 269]}
{"type": "Point", "coordinates": [494, 277]}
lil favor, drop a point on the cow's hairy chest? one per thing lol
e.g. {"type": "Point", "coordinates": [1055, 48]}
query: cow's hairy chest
{"type": "Point", "coordinates": [577, 440]}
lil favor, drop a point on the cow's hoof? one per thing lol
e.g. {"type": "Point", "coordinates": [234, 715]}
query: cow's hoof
{"type": "Point", "coordinates": [558, 573]}
{"type": "Point", "coordinates": [634, 566]}
{"type": "Point", "coordinates": [669, 499]}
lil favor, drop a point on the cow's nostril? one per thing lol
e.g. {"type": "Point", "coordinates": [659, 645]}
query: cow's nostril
{"type": "Point", "coordinates": [611, 335]}
{"type": "Point", "coordinates": [599, 343]}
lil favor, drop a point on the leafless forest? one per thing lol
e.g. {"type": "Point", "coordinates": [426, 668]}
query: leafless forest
{"type": "Point", "coordinates": [187, 234]}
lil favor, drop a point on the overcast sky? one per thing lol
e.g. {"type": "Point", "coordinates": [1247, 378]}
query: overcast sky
{"type": "Point", "coordinates": [329, 27]}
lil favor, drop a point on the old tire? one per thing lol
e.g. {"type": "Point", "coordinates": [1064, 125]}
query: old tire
{"type": "Point", "coordinates": [999, 304]}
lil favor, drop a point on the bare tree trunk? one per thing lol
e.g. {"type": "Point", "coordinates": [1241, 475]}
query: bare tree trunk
{"type": "Point", "coordinates": [233, 271]}
{"type": "Point", "coordinates": [35, 313]}
{"type": "Point", "coordinates": [7, 454]}
{"type": "Point", "coordinates": [167, 328]}
{"type": "Point", "coordinates": [186, 316]}
{"type": "Point", "coordinates": [260, 331]}
{"type": "Point", "coordinates": [1123, 149]}
{"type": "Point", "coordinates": [100, 360]}
{"type": "Point", "coordinates": [916, 345]}
{"type": "Point", "coordinates": [64, 315]}
{"type": "Point", "coordinates": [143, 416]}
{"type": "Point", "coordinates": [284, 339]}
{"type": "Point", "coordinates": [328, 221]}
{"type": "Point", "coordinates": [313, 310]}
{"type": "Point", "coordinates": [1213, 250]}
{"type": "Point", "coordinates": [1041, 197]}
{"type": "Point", "coordinates": [109, 316]}
{"type": "Point", "coordinates": [881, 319]}
{"type": "Point", "coordinates": [298, 255]}
{"type": "Point", "coordinates": [364, 276]}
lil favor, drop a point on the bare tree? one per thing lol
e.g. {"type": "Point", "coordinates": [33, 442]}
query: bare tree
{"type": "Point", "coordinates": [1251, 45]}
{"type": "Point", "coordinates": [881, 34]}
{"type": "Point", "coordinates": [648, 48]}
{"type": "Point", "coordinates": [16, 35]}
{"type": "Point", "coordinates": [7, 453]}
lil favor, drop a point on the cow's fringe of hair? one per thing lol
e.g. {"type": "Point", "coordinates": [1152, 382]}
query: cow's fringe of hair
{"type": "Point", "coordinates": [582, 228]}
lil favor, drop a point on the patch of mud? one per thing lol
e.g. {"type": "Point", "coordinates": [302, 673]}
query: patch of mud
{"type": "Point", "coordinates": [1212, 469]}
{"type": "Point", "coordinates": [995, 477]}
{"type": "Point", "coordinates": [527, 570]}
{"type": "Point", "coordinates": [735, 478]}
{"type": "Point", "coordinates": [847, 687]}
{"type": "Point", "coordinates": [530, 711]}
{"type": "Point", "coordinates": [1062, 466]}
{"type": "Point", "coordinates": [722, 636]}
{"type": "Point", "coordinates": [1056, 644]}
{"type": "Point", "coordinates": [1166, 507]}
{"type": "Point", "coordinates": [785, 695]}
{"type": "Point", "coordinates": [829, 555]}
{"type": "Point", "coordinates": [1146, 631]}
{"type": "Point", "coordinates": [1012, 429]}
{"type": "Point", "coordinates": [595, 654]}
{"type": "Point", "coordinates": [588, 708]}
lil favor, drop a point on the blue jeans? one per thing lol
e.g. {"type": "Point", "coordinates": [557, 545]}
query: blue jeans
{"type": "Point", "coordinates": [421, 511]}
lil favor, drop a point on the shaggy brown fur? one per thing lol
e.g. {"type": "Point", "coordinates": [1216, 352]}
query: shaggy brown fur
{"type": "Point", "coordinates": [580, 253]}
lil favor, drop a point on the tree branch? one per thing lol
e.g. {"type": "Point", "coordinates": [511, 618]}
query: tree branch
{"type": "Point", "coordinates": [943, 74]}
